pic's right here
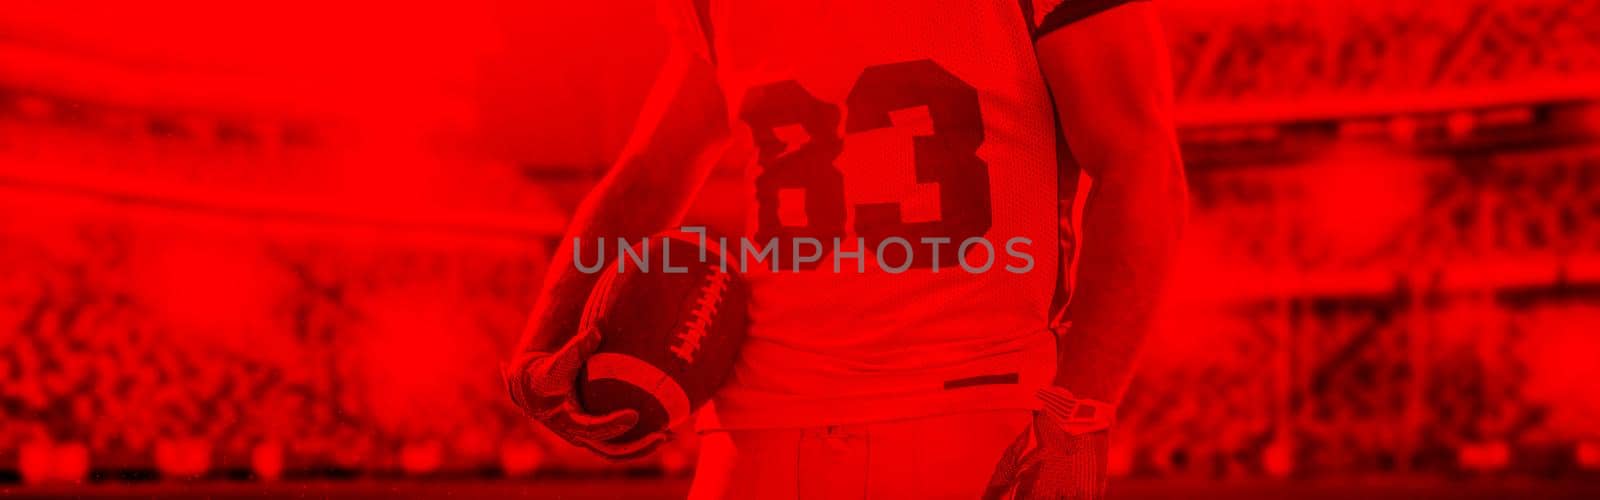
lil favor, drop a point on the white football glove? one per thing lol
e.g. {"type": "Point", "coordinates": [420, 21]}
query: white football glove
{"type": "Point", "coordinates": [541, 384]}
{"type": "Point", "coordinates": [1061, 455]}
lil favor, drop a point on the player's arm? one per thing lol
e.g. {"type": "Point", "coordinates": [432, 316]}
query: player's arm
{"type": "Point", "coordinates": [1107, 67]}
{"type": "Point", "coordinates": [1110, 76]}
{"type": "Point", "coordinates": [681, 132]}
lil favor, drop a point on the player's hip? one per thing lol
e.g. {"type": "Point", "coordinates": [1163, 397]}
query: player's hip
{"type": "Point", "coordinates": [791, 388]}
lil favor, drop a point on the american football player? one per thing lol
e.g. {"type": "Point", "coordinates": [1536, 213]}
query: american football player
{"type": "Point", "coordinates": [924, 122]}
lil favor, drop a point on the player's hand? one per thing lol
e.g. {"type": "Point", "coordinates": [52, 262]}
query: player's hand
{"type": "Point", "coordinates": [1062, 455]}
{"type": "Point", "coordinates": [541, 384]}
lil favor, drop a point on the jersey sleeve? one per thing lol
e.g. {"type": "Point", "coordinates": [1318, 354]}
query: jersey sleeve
{"type": "Point", "coordinates": [1047, 16]}
{"type": "Point", "coordinates": [688, 25]}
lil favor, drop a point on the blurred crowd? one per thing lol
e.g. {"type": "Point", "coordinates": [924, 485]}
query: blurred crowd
{"type": "Point", "coordinates": [1291, 50]}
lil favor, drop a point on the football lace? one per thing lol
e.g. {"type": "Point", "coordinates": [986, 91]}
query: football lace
{"type": "Point", "coordinates": [705, 309]}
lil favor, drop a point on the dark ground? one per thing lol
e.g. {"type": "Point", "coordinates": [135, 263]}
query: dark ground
{"type": "Point", "coordinates": [635, 488]}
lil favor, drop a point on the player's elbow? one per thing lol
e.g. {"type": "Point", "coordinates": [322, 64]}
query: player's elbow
{"type": "Point", "coordinates": [1170, 186]}
{"type": "Point", "coordinates": [1146, 159]}
{"type": "Point", "coordinates": [1146, 177]}
{"type": "Point", "coordinates": [1178, 195]}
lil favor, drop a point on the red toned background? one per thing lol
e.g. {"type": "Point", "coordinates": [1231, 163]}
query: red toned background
{"type": "Point", "coordinates": [282, 249]}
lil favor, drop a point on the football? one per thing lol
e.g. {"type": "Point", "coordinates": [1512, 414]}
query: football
{"type": "Point", "coordinates": [671, 326]}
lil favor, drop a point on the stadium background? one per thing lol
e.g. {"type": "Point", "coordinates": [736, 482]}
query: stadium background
{"type": "Point", "coordinates": [286, 248]}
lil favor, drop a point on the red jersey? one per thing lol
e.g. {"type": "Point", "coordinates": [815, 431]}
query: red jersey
{"type": "Point", "coordinates": [902, 234]}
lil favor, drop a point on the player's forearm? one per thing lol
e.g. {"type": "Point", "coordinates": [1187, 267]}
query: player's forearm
{"type": "Point", "coordinates": [616, 209]}
{"type": "Point", "coordinates": [1131, 226]}
{"type": "Point", "coordinates": [681, 132]}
